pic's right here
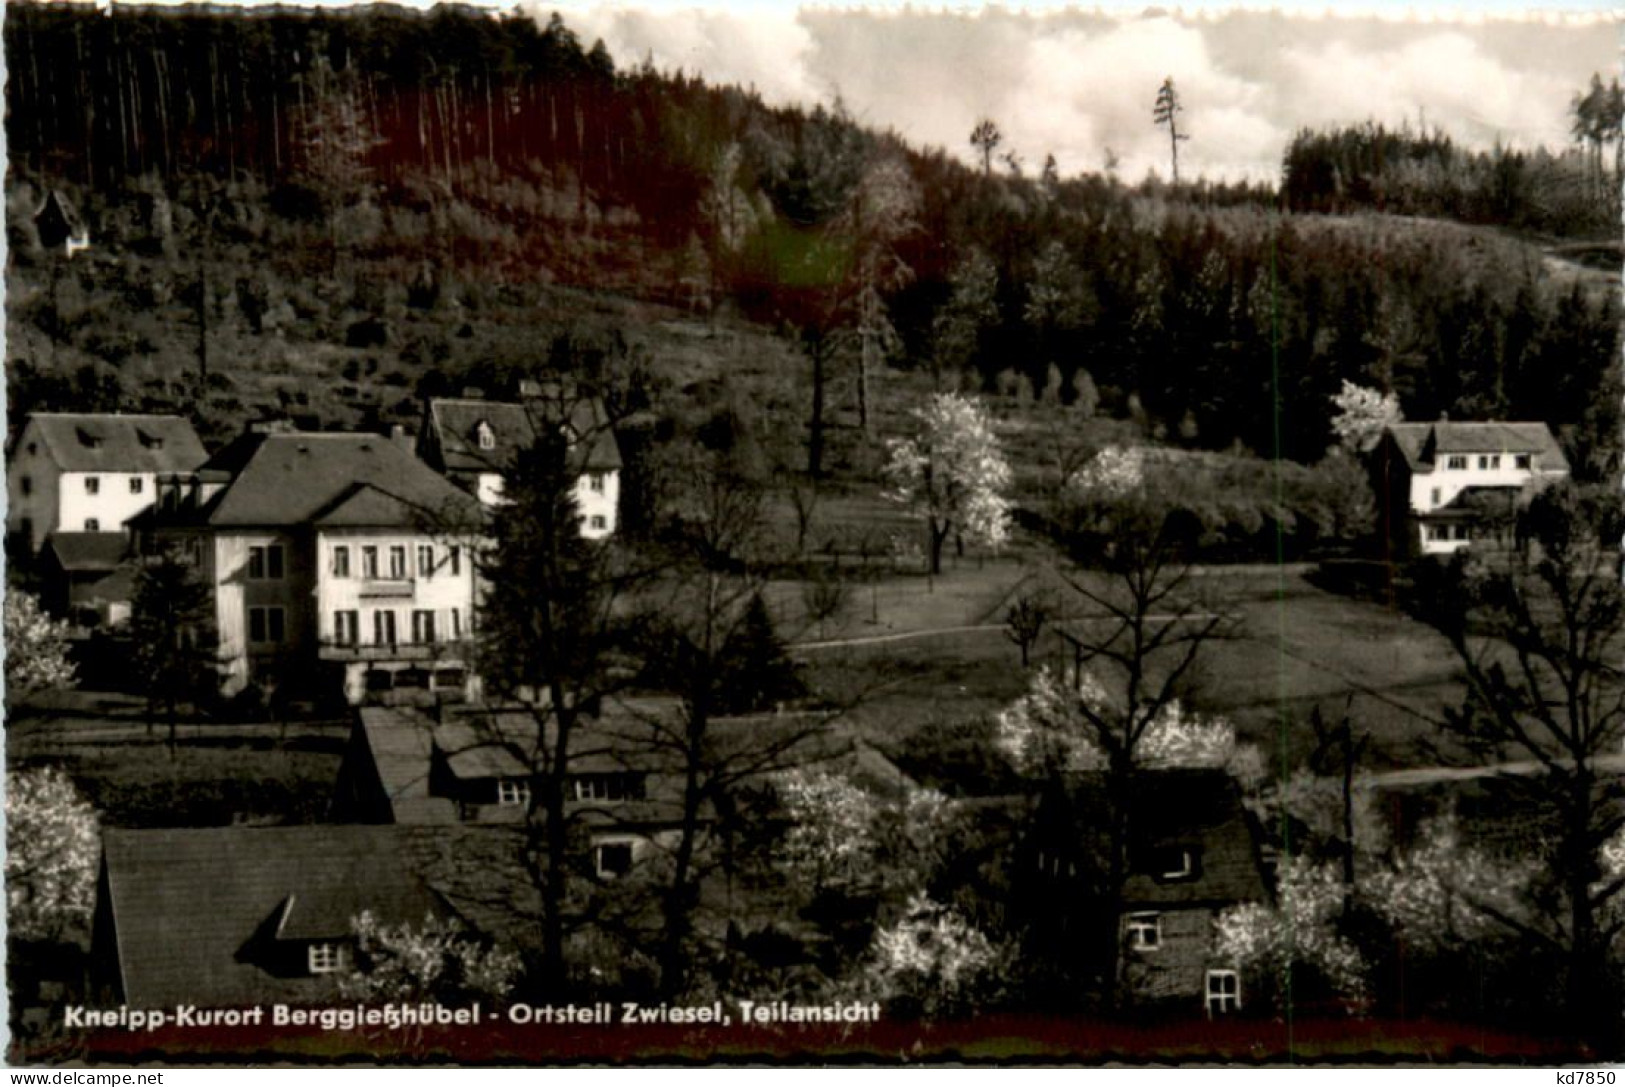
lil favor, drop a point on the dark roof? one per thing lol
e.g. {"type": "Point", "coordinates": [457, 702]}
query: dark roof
{"type": "Point", "coordinates": [88, 552]}
{"type": "Point", "coordinates": [1478, 500]}
{"type": "Point", "coordinates": [1173, 811]}
{"type": "Point", "coordinates": [515, 427]}
{"type": "Point", "coordinates": [188, 904]}
{"type": "Point", "coordinates": [1423, 443]}
{"type": "Point", "coordinates": [119, 443]}
{"type": "Point", "coordinates": [349, 479]}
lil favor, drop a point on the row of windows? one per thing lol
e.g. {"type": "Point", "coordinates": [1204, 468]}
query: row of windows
{"type": "Point", "coordinates": [395, 557]}
{"type": "Point", "coordinates": [93, 485]}
{"type": "Point", "coordinates": [425, 630]}
{"type": "Point", "coordinates": [608, 787]}
{"type": "Point", "coordinates": [268, 625]}
{"type": "Point", "coordinates": [1449, 532]}
{"type": "Point", "coordinates": [1487, 462]}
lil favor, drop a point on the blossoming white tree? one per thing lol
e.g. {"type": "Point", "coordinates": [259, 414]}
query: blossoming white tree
{"type": "Point", "coordinates": [933, 962]}
{"type": "Point", "coordinates": [953, 475]}
{"type": "Point", "coordinates": [52, 846]}
{"type": "Point", "coordinates": [1271, 943]}
{"type": "Point", "coordinates": [437, 960]}
{"type": "Point", "coordinates": [1362, 414]}
{"type": "Point", "coordinates": [36, 649]}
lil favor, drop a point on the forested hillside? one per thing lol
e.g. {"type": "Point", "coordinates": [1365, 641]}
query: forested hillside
{"type": "Point", "coordinates": [315, 213]}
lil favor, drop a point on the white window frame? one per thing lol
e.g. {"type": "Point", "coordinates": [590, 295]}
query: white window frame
{"type": "Point", "coordinates": [485, 436]}
{"type": "Point", "coordinates": [268, 570]}
{"type": "Point", "coordinates": [341, 560]}
{"type": "Point", "coordinates": [378, 625]}
{"type": "Point", "coordinates": [423, 626]}
{"type": "Point", "coordinates": [1228, 1002]}
{"type": "Point", "coordinates": [397, 569]}
{"type": "Point", "coordinates": [346, 633]}
{"type": "Point", "coordinates": [598, 521]}
{"type": "Point", "coordinates": [1144, 931]}
{"type": "Point", "coordinates": [598, 859]}
{"type": "Point", "coordinates": [1187, 867]}
{"type": "Point", "coordinates": [369, 561]}
{"type": "Point", "coordinates": [1456, 462]}
{"type": "Point", "coordinates": [425, 560]}
{"type": "Point", "coordinates": [512, 793]}
{"type": "Point", "coordinates": [325, 958]}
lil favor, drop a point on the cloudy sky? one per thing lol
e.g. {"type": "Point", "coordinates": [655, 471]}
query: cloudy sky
{"type": "Point", "coordinates": [1074, 83]}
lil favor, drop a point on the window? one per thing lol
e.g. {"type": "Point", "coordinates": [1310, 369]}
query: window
{"type": "Point", "coordinates": [92, 524]}
{"type": "Point", "coordinates": [1438, 532]}
{"type": "Point", "coordinates": [137, 485]}
{"type": "Point", "coordinates": [383, 627]}
{"type": "Point", "coordinates": [1456, 464]}
{"type": "Point", "coordinates": [1463, 532]}
{"type": "Point", "coordinates": [265, 563]}
{"type": "Point", "coordinates": [598, 521]}
{"type": "Point", "coordinates": [454, 561]}
{"type": "Point", "coordinates": [397, 563]}
{"type": "Point", "coordinates": [326, 958]}
{"type": "Point", "coordinates": [26, 485]}
{"type": "Point", "coordinates": [1435, 496]}
{"type": "Point", "coordinates": [341, 561]}
{"type": "Point", "coordinates": [512, 793]}
{"type": "Point", "coordinates": [1178, 864]}
{"type": "Point", "coordinates": [595, 482]}
{"type": "Point", "coordinates": [266, 625]}
{"type": "Point", "coordinates": [425, 560]}
{"type": "Point", "coordinates": [423, 627]}
{"type": "Point", "coordinates": [1523, 461]}
{"type": "Point", "coordinates": [486, 437]}
{"type": "Point", "coordinates": [93, 485]}
{"type": "Point", "coordinates": [1223, 992]}
{"type": "Point", "coordinates": [608, 787]}
{"type": "Point", "coordinates": [456, 624]}
{"type": "Point", "coordinates": [612, 859]}
{"type": "Point", "coordinates": [369, 562]}
{"type": "Point", "coordinates": [448, 679]}
{"type": "Point", "coordinates": [346, 627]}
{"type": "Point", "coordinates": [1486, 462]}
{"type": "Point", "coordinates": [1144, 931]}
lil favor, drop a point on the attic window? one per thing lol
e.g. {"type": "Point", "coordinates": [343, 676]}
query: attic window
{"type": "Point", "coordinates": [326, 958]}
{"type": "Point", "coordinates": [149, 441]}
{"type": "Point", "coordinates": [1174, 864]}
{"type": "Point", "coordinates": [89, 440]}
{"type": "Point", "coordinates": [484, 435]}
{"type": "Point", "coordinates": [1181, 866]}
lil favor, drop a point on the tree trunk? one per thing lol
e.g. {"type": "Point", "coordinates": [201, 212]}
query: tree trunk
{"type": "Point", "coordinates": [939, 538]}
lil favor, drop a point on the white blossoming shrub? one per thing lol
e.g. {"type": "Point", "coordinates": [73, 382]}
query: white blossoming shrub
{"type": "Point", "coordinates": [1441, 892]}
{"type": "Point", "coordinates": [1300, 931]}
{"type": "Point", "coordinates": [953, 473]}
{"type": "Point", "coordinates": [831, 835]}
{"type": "Point", "coordinates": [438, 960]}
{"type": "Point", "coordinates": [933, 962]}
{"type": "Point", "coordinates": [1361, 416]}
{"type": "Point", "coordinates": [1115, 472]}
{"type": "Point", "coordinates": [36, 649]}
{"type": "Point", "coordinates": [53, 847]}
{"type": "Point", "coordinates": [1053, 728]}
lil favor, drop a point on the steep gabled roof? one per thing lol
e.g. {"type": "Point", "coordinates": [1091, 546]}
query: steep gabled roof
{"type": "Point", "coordinates": [1424, 443]}
{"type": "Point", "coordinates": [516, 426]}
{"type": "Point", "coordinates": [85, 442]}
{"type": "Point", "coordinates": [298, 479]}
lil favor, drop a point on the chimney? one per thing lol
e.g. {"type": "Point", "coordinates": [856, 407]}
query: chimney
{"type": "Point", "coordinates": [269, 425]}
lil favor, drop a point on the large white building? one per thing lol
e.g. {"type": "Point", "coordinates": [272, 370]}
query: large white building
{"type": "Point", "coordinates": [72, 472]}
{"type": "Point", "coordinates": [473, 441]}
{"type": "Point", "coordinates": [337, 563]}
{"type": "Point", "coordinates": [1444, 480]}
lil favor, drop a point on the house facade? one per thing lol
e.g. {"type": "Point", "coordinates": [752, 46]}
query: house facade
{"type": "Point", "coordinates": [1191, 854]}
{"type": "Point", "coordinates": [1442, 485]}
{"type": "Point", "coordinates": [337, 563]}
{"type": "Point", "coordinates": [473, 441]}
{"type": "Point", "coordinates": [72, 472]}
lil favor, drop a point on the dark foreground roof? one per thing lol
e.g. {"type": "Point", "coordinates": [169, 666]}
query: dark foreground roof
{"type": "Point", "coordinates": [88, 552]}
{"type": "Point", "coordinates": [189, 906]}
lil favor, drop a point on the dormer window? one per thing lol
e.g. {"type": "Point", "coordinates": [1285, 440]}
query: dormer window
{"type": "Point", "coordinates": [88, 439]}
{"type": "Point", "coordinates": [485, 436]}
{"type": "Point", "coordinates": [1174, 864]}
{"type": "Point", "coordinates": [327, 957]}
{"type": "Point", "coordinates": [1182, 866]}
{"type": "Point", "coordinates": [149, 441]}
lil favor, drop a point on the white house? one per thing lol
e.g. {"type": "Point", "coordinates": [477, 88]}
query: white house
{"type": "Point", "coordinates": [338, 562]}
{"type": "Point", "coordinates": [473, 441]}
{"type": "Point", "coordinates": [73, 472]}
{"type": "Point", "coordinates": [1442, 479]}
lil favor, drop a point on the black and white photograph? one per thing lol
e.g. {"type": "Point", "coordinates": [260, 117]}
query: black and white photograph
{"type": "Point", "coordinates": [746, 533]}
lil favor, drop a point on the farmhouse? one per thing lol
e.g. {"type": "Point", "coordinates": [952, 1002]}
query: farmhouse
{"type": "Point", "coordinates": [74, 472]}
{"type": "Point", "coordinates": [1191, 854]}
{"type": "Point", "coordinates": [338, 563]}
{"type": "Point", "coordinates": [1441, 485]}
{"type": "Point", "coordinates": [235, 916]}
{"type": "Point", "coordinates": [474, 440]}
